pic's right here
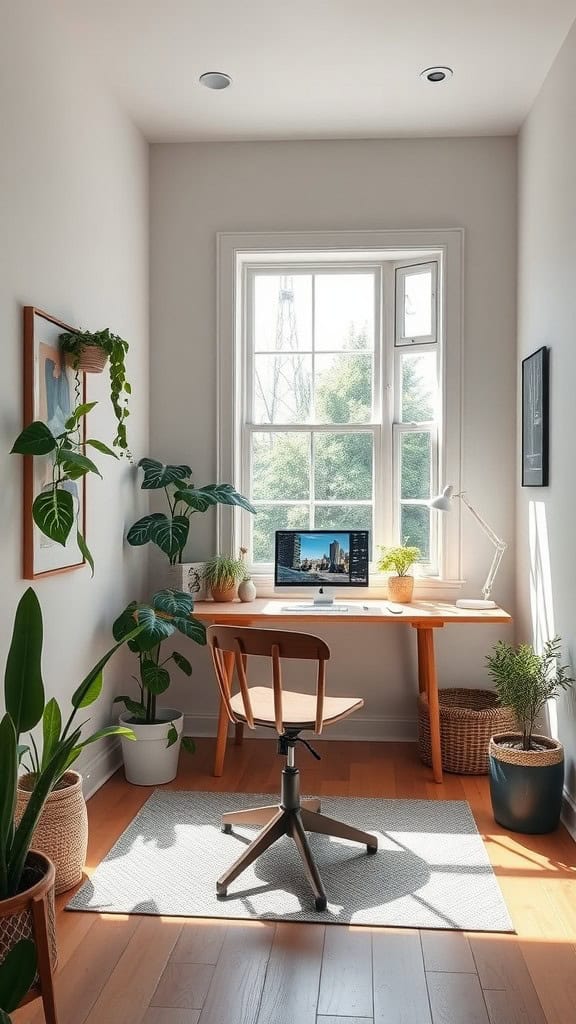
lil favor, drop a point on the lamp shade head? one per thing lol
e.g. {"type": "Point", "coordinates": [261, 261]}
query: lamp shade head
{"type": "Point", "coordinates": [443, 502]}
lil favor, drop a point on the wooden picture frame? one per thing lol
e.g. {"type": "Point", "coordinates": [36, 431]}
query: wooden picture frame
{"type": "Point", "coordinates": [535, 411]}
{"type": "Point", "coordinates": [50, 394]}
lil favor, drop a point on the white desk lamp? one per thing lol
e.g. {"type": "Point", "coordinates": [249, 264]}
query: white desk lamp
{"type": "Point", "coordinates": [443, 502]}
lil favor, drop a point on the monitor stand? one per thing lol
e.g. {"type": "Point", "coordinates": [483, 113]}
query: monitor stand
{"type": "Point", "coordinates": [324, 598]}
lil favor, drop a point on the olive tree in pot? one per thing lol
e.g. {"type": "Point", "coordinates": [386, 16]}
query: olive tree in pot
{"type": "Point", "coordinates": [153, 759]}
{"type": "Point", "coordinates": [399, 561]}
{"type": "Point", "coordinates": [527, 770]}
{"type": "Point", "coordinates": [27, 878]}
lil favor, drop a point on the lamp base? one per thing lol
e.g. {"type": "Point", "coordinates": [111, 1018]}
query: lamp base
{"type": "Point", "coordinates": [476, 603]}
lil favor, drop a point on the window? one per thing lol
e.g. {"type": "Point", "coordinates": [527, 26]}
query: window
{"type": "Point", "coordinates": [334, 365]}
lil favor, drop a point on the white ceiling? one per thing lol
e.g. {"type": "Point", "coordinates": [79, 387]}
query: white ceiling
{"type": "Point", "coordinates": [322, 69]}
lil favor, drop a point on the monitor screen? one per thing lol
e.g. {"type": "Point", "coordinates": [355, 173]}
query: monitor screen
{"type": "Point", "coordinates": [321, 558]}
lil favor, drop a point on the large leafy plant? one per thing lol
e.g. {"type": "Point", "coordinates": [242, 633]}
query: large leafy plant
{"type": "Point", "coordinates": [170, 532]}
{"type": "Point", "coordinates": [54, 510]}
{"type": "Point", "coordinates": [116, 349]}
{"type": "Point", "coordinates": [525, 680]}
{"type": "Point", "coordinates": [169, 612]}
{"type": "Point", "coordinates": [62, 743]}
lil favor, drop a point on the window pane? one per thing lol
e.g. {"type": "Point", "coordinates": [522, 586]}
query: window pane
{"type": "Point", "coordinates": [282, 388]}
{"type": "Point", "coordinates": [344, 311]}
{"type": "Point", "coordinates": [419, 387]}
{"type": "Point", "coordinates": [415, 455]}
{"type": "Point", "coordinates": [282, 312]}
{"type": "Point", "coordinates": [344, 517]}
{"type": "Point", "coordinates": [270, 518]}
{"type": "Point", "coordinates": [418, 304]}
{"type": "Point", "coordinates": [343, 466]}
{"type": "Point", "coordinates": [415, 528]}
{"type": "Point", "coordinates": [281, 466]}
{"type": "Point", "coordinates": [343, 388]}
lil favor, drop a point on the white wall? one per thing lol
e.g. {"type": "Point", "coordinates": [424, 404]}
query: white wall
{"type": "Point", "coordinates": [546, 575]}
{"type": "Point", "coordinates": [73, 241]}
{"type": "Point", "coordinates": [200, 189]}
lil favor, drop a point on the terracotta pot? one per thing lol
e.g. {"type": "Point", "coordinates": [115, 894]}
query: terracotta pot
{"type": "Point", "coordinates": [90, 359]}
{"type": "Point", "coordinates": [228, 593]}
{"type": "Point", "coordinates": [62, 830]}
{"type": "Point", "coordinates": [400, 589]}
{"type": "Point", "coordinates": [31, 912]}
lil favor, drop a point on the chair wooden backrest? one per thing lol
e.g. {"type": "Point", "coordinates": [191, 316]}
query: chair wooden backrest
{"type": "Point", "coordinates": [231, 646]}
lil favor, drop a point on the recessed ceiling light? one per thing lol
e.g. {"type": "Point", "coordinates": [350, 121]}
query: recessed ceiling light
{"type": "Point", "coordinates": [215, 80]}
{"type": "Point", "coordinates": [438, 74]}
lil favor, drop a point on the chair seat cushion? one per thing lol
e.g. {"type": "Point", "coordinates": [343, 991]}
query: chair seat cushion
{"type": "Point", "coordinates": [298, 709]}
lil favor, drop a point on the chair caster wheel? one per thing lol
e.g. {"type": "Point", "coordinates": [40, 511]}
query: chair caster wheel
{"type": "Point", "coordinates": [227, 829]}
{"type": "Point", "coordinates": [221, 892]}
{"type": "Point", "coordinates": [320, 903]}
{"type": "Point", "coordinates": [371, 850]}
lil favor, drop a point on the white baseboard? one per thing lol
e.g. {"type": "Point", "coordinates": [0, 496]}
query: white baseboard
{"type": "Point", "coordinates": [400, 730]}
{"type": "Point", "coordinates": [96, 770]}
{"type": "Point", "coordinates": [569, 813]}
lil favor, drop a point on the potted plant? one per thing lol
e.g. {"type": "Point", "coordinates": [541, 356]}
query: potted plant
{"type": "Point", "coordinates": [56, 509]}
{"type": "Point", "coordinates": [223, 573]}
{"type": "Point", "coordinates": [526, 769]}
{"type": "Point", "coordinates": [400, 560]}
{"type": "Point", "coordinates": [27, 878]}
{"type": "Point", "coordinates": [169, 532]}
{"type": "Point", "coordinates": [17, 973]}
{"type": "Point", "coordinates": [153, 759]}
{"type": "Point", "coordinates": [88, 352]}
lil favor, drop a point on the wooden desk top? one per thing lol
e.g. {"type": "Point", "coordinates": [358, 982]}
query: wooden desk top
{"type": "Point", "coordinates": [425, 613]}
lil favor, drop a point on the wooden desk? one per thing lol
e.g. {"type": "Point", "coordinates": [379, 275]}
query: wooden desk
{"type": "Point", "coordinates": [423, 616]}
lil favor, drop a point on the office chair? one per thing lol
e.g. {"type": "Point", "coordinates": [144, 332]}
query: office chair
{"type": "Point", "coordinates": [289, 713]}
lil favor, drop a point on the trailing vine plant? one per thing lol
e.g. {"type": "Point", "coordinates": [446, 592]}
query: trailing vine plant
{"type": "Point", "coordinates": [116, 349]}
{"type": "Point", "coordinates": [54, 510]}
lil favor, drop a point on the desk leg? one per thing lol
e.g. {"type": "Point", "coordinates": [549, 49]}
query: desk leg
{"type": "Point", "coordinates": [222, 732]}
{"type": "Point", "coordinates": [428, 680]}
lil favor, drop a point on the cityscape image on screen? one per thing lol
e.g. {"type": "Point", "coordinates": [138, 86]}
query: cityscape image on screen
{"type": "Point", "coordinates": [321, 558]}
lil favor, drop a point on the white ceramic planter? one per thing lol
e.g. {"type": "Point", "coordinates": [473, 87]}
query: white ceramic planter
{"type": "Point", "coordinates": [147, 760]}
{"type": "Point", "coordinates": [188, 577]}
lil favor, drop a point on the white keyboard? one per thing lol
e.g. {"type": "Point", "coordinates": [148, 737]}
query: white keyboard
{"type": "Point", "coordinates": [316, 609]}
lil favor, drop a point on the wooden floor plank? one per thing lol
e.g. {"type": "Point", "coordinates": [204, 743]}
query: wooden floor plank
{"type": "Point", "coordinates": [447, 951]}
{"type": "Point", "coordinates": [200, 942]}
{"type": "Point", "coordinates": [238, 980]}
{"type": "Point", "coordinates": [552, 969]}
{"type": "Point", "coordinates": [320, 1019]}
{"type": "Point", "coordinates": [162, 1015]}
{"type": "Point", "coordinates": [133, 982]}
{"type": "Point", "coordinates": [456, 999]}
{"type": "Point", "coordinates": [183, 986]}
{"type": "Point", "coordinates": [501, 965]}
{"type": "Point", "coordinates": [293, 976]}
{"type": "Point", "coordinates": [400, 993]}
{"type": "Point", "coordinates": [346, 980]}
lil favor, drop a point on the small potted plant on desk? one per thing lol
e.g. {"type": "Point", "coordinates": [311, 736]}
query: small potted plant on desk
{"type": "Point", "coordinates": [153, 759]}
{"type": "Point", "coordinates": [527, 770]}
{"type": "Point", "coordinates": [399, 560]}
{"type": "Point", "coordinates": [223, 573]}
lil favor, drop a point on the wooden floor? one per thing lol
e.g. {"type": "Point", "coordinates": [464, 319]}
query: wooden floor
{"type": "Point", "coordinates": [153, 970]}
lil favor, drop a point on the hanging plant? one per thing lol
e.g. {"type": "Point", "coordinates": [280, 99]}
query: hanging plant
{"type": "Point", "coordinates": [54, 510]}
{"type": "Point", "coordinates": [88, 353]}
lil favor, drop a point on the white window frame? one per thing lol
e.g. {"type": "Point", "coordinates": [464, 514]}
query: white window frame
{"type": "Point", "coordinates": [238, 251]}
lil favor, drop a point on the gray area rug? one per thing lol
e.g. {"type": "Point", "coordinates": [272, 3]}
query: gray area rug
{"type": "Point", "coordinates": [431, 869]}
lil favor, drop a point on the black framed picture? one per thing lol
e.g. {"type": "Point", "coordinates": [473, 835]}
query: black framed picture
{"type": "Point", "coordinates": [535, 419]}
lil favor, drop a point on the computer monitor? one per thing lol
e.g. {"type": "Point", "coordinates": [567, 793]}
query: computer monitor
{"type": "Point", "coordinates": [323, 559]}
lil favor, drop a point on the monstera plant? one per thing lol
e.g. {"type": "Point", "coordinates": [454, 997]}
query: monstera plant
{"type": "Point", "coordinates": [170, 531]}
{"type": "Point", "coordinates": [55, 510]}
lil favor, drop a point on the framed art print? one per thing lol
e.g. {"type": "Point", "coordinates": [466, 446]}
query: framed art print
{"type": "Point", "coordinates": [51, 391]}
{"type": "Point", "coordinates": [535, 419]}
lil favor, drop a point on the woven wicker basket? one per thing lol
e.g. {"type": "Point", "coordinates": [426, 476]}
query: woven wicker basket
{"type": "Point", "coordinates": [468, 718]}
{"type": "Point", "coordinates": [62, 831]}
{"type": "Point", "coordinates": [90, 359]}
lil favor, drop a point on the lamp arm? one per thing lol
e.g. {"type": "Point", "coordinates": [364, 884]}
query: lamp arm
{"type": "Point", "coordinates": [496, 540]}
{"type": "Point", "coordinates": [486, 589]}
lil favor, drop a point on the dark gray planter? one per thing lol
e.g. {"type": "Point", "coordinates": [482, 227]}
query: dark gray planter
{"type": "Point", "coordinates": [526, 785]}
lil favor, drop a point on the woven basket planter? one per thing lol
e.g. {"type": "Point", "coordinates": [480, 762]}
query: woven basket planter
{"type": "Point", "coordinates": [91, 359]}
{"type": "Point", "coordinates": [30, 915]}
{"type": "Point", "coordinates": [400, 589]}
{"type": "Point", "coordinates": [62, 831]}
{"type": "Point", "coordinates": [468, 719]}
{"type": "Point", "coordinates": [526, 785]}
